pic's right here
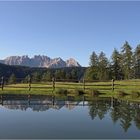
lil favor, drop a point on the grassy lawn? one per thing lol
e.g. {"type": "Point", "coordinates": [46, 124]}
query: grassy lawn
{"type": "Point", "coordinates": [105, 88]}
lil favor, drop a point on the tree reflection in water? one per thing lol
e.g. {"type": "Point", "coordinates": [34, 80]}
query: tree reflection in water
{"type": "Point", "coordinates": [123, 112]}
{"type": "Point", "coordinates": [99, 107]}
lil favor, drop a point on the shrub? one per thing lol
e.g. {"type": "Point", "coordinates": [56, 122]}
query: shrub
{"type": "Point", "coordinates": [95, 92]}
{"type": "Point", "coordinates": [121, 93]}
{"type": "Point", "coordinates": [79, 92]}
{"type": "Point", "coordinates": [135, 94]}
{"type": "Point", "coordinates": [62, 91]}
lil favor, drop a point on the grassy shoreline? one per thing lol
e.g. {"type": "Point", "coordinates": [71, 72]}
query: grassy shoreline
{"type": "Point", "coordinates": [115, 95]}
{"type": "Point", "coordinates": [128, 90]}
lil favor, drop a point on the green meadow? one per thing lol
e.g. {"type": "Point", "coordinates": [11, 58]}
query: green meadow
{"type": "Point", "coordinates": [125, 89]}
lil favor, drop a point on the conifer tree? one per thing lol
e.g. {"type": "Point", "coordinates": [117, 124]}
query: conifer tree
{"type": "Point", "coordinates": [127, 60]}
{"type": "Point", "coordinates": [116, 65]}
{"type": "Point", "coordinates": [103, 73]}
{"type": "Point", "coordinates": [12, 79]}
{"type": "Point", "coordinates": [137, 61]}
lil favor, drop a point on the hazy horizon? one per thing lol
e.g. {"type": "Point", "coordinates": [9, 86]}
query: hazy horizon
{"type": "Point", "coordinates": [67, 29]}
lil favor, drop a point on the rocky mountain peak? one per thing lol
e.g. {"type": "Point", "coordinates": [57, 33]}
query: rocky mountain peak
{"type": "Point", "coordinates": [40, 61]}
{"type": "Point", "coordinates": [72, 62]}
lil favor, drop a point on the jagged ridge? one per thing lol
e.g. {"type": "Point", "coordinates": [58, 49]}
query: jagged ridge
{"type": "Point", "coordinates": [40, 61]}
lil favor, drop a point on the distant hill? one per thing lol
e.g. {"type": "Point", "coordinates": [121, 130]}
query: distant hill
{"type": "Point", "coordinates": [40, 61]}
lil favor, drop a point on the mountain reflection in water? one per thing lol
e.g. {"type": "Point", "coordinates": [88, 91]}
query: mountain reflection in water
{"type": "Point", "coordinates": [120, 111]}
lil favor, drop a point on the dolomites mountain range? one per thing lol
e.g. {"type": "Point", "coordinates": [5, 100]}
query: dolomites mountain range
{"type": "Point", "coordinates": [40, 61]}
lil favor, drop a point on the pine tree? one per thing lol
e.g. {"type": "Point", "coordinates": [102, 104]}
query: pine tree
{"type": "Point", "coordinates": [26, 79]}
{"type": "Point", "coordinates": [12, 79]}
{"type": "Point", "coordinates": [127, 60]}
{"type": "Point", "coordinates": [36, 77]}
{"type": "Point", "coordinates": [91, 72]}
{"type": "Point", "coordinates": [103, 72]}
{"type": "Point", "coordinates": [94, 60]}
{"type": "Point", "coordinates": [116, 65]}
{"type": "Point", "coordinates": [47, 76]}
{"type": "Point", "coordinates": [74, 74]}
{"type": "Point", "coordinates": [137, 61]}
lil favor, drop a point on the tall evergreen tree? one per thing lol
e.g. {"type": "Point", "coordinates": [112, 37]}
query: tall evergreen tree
{"type": "Point", "coordinates": [26, 79]}
{"type": "Point", "coordinates": [93, 60]}
{"type": "Point", "coordinates": [47, 76]}
{"type": "Point", "coordinates": [91, 72]}
{"type": "Point", "coordinates": [68, 75]}
{"type": "Point", "coordinates": [116, 65]}
{"type": "Point", "coordinates": [127, 59]}
{"type": "Point", "coordinates": [36, 76]}
{"type": "Point", "coordinates": [12, 79]}
{"type": "Point", "coordinates": [74, 74]}
{"type": "Point", "coordinates": [103, 73]}
{"type": "Point", "coordinates": [137, 61]}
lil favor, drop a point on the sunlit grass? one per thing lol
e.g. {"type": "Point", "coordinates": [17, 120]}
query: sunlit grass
{"type": "Point", "coordinates": [105, 88]}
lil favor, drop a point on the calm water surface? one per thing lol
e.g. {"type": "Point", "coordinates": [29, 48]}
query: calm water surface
{"type": "Point", "coordinates": [51, 117]}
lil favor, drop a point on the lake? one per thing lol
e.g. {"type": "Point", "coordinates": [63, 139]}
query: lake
{"type": "Point", "coordinates": [55, 117]}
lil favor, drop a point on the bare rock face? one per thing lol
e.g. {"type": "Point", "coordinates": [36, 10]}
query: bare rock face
{"type": "Point", "coordinates": [72, 63]}
{"type": "Point", "coordinates": [40, 61]}
{"type": "Point", "coordinates": [57, 63]}
{"type": "Point", "coordinates": [17, 60]}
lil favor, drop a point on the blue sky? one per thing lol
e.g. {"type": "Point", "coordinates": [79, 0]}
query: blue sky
{"type": "Point", "coordinates": [67, 28]}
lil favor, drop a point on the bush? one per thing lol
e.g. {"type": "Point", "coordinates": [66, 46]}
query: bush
{"type": "Point", "coordinates": [121, 93]}
{"type": "Point", "coordinates": [62, 91]}
{"type": "Point", "coordinates": [79, 92]}
{"type": "Point", "coordinates": [95, 92]}
{"type": "Point", "coordinates": [135, 94]}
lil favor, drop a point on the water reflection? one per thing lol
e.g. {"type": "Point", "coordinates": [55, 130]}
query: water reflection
{"type": "Point", "coordinates": [123, 112]}
{"type": "Point", "coordinates": [37, 103]}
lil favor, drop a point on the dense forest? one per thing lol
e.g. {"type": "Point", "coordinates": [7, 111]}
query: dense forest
{"type": "Point", "coordinates": [21, 73]}
{"type": "Point", "coordinates": [124, 64]}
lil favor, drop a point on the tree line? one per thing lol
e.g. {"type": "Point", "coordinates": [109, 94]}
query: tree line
{"type": "Point", "coordinates": [43, 75]}
{"type": "Point", "coordinates": [124, 64]}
